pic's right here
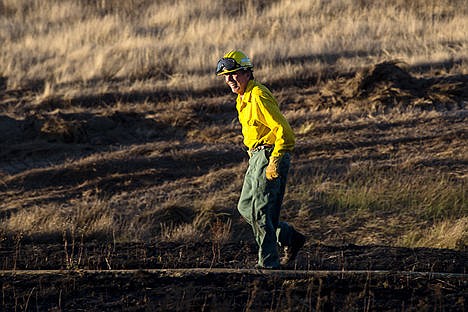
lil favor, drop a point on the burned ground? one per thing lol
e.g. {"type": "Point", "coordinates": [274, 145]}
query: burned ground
{"type": "Point", "coordinates": [160, 276]}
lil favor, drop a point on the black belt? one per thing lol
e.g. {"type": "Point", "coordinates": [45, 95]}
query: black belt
{"type": "Point", "coordinates": [260, 147]}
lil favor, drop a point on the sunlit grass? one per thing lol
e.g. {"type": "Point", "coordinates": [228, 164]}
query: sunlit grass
{"type": "Point", "coordinates": [75, 48]}
{"type": "Point", "coordinates": [178, 43]}
{"type": "Point", "coordinates": [358, 199]}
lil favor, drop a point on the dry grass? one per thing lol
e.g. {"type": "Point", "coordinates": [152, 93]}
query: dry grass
{"type": "Point", "coordinates": [91, 218]}
{"type": "Point", "coordinates": [444, 234]}
{"type": "Point", "coordinates": [115, 128]}
{"type": "Point", "coordinates": [178, 43]}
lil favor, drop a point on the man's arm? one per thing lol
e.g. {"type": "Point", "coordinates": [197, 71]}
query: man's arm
{"type": "Point", "coordinates": [280, 129]}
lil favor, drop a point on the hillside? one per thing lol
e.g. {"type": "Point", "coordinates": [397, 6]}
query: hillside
{"type": "Point", "coordinates": [376, 175]}
{"type": "Point", "coordinates": [380, 159]}
{"type": "Point", "coordinates": [121, 156]}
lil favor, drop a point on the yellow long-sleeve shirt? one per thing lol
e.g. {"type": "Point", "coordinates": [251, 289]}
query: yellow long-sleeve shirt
{"type": "Point", "coordinates": [261, 120]}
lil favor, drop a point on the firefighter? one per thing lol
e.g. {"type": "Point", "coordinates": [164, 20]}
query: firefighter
{"type": "Point", "coordinates": [270, 141]}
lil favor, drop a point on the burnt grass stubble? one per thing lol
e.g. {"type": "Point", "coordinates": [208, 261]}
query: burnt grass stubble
{"type": "Point", "coordinates": [325, 278]}
{"type": "Point", "coordinates": [99, 274]}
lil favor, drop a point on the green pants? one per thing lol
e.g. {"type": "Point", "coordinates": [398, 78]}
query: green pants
{"type": "Point", "coordinates": [260, 204]}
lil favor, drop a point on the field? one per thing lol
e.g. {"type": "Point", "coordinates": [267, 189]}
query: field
{"type": "Point", "coordinates": [121, 157]}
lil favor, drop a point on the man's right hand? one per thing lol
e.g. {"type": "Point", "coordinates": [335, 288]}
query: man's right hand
{"type": "Point", "coordinates": [272, 170]}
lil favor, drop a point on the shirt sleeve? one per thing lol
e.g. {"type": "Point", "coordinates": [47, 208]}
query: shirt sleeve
{"type": "Point", "coordinates": [271, 116]}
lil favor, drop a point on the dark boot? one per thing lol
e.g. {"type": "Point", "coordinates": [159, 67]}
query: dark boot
{"type": "Point", "coordinates": [290, 252]}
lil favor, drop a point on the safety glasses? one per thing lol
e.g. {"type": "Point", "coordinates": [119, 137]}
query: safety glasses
{"type": "Point", "coordinates": [227, 64]}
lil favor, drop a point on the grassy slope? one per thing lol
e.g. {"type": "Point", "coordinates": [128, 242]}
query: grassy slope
{"type": "Point", "coordinates": [116, 129]}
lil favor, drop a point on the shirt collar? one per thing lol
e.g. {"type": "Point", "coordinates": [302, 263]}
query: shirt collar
{"type": "Point", "coordinates": [248, 89]}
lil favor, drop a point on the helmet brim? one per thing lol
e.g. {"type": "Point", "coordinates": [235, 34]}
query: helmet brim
{"type": "Point", "coordinates": [224, 72]}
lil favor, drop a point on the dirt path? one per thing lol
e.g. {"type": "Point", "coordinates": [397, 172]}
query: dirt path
{"type": "Point", "coordinates": [284, 273]}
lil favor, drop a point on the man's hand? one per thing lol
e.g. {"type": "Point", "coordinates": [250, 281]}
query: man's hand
{"type": "Point", "coordinates": [272, 170]}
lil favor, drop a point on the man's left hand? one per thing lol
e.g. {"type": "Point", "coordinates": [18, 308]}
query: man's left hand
{"type": "Point", "coordinates": [272, 170]}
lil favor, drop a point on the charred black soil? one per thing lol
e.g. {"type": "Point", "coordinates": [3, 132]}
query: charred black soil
{"type": "Point", "coordinates": [232, 290]}
{"type": "Point", "coordinates": [196, 277]}
{"type": "Point", "coordinates": [235, 255]}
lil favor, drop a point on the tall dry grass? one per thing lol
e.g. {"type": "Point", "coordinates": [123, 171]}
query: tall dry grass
{"type": "Point", "coordinates": [178, 42]}
{"type": "Point", "coordinates": [75, 47]}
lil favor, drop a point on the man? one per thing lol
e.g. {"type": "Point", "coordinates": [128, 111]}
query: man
{"type": "Point", "coordinates": [270, 139]}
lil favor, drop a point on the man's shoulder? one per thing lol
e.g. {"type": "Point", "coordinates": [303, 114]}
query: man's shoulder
{"type": "Point", "coordinates": [259, 89]}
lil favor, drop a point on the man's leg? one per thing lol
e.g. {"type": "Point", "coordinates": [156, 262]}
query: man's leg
{"type": "Point", "coordinates": [284, 231]}
{"type": "Point", "coordinates": [254, 205]}
{"type": "Point", "coordinates": [260, 205]}
{"type": "Point", "coordinates": [288, 237]}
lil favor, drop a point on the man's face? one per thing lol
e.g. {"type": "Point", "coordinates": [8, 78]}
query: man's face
{"type": "Point", "coordinates": [237, 81]}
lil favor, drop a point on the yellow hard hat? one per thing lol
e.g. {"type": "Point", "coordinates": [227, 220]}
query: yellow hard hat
{"type": "Point", "coordinates": [233, 61]}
